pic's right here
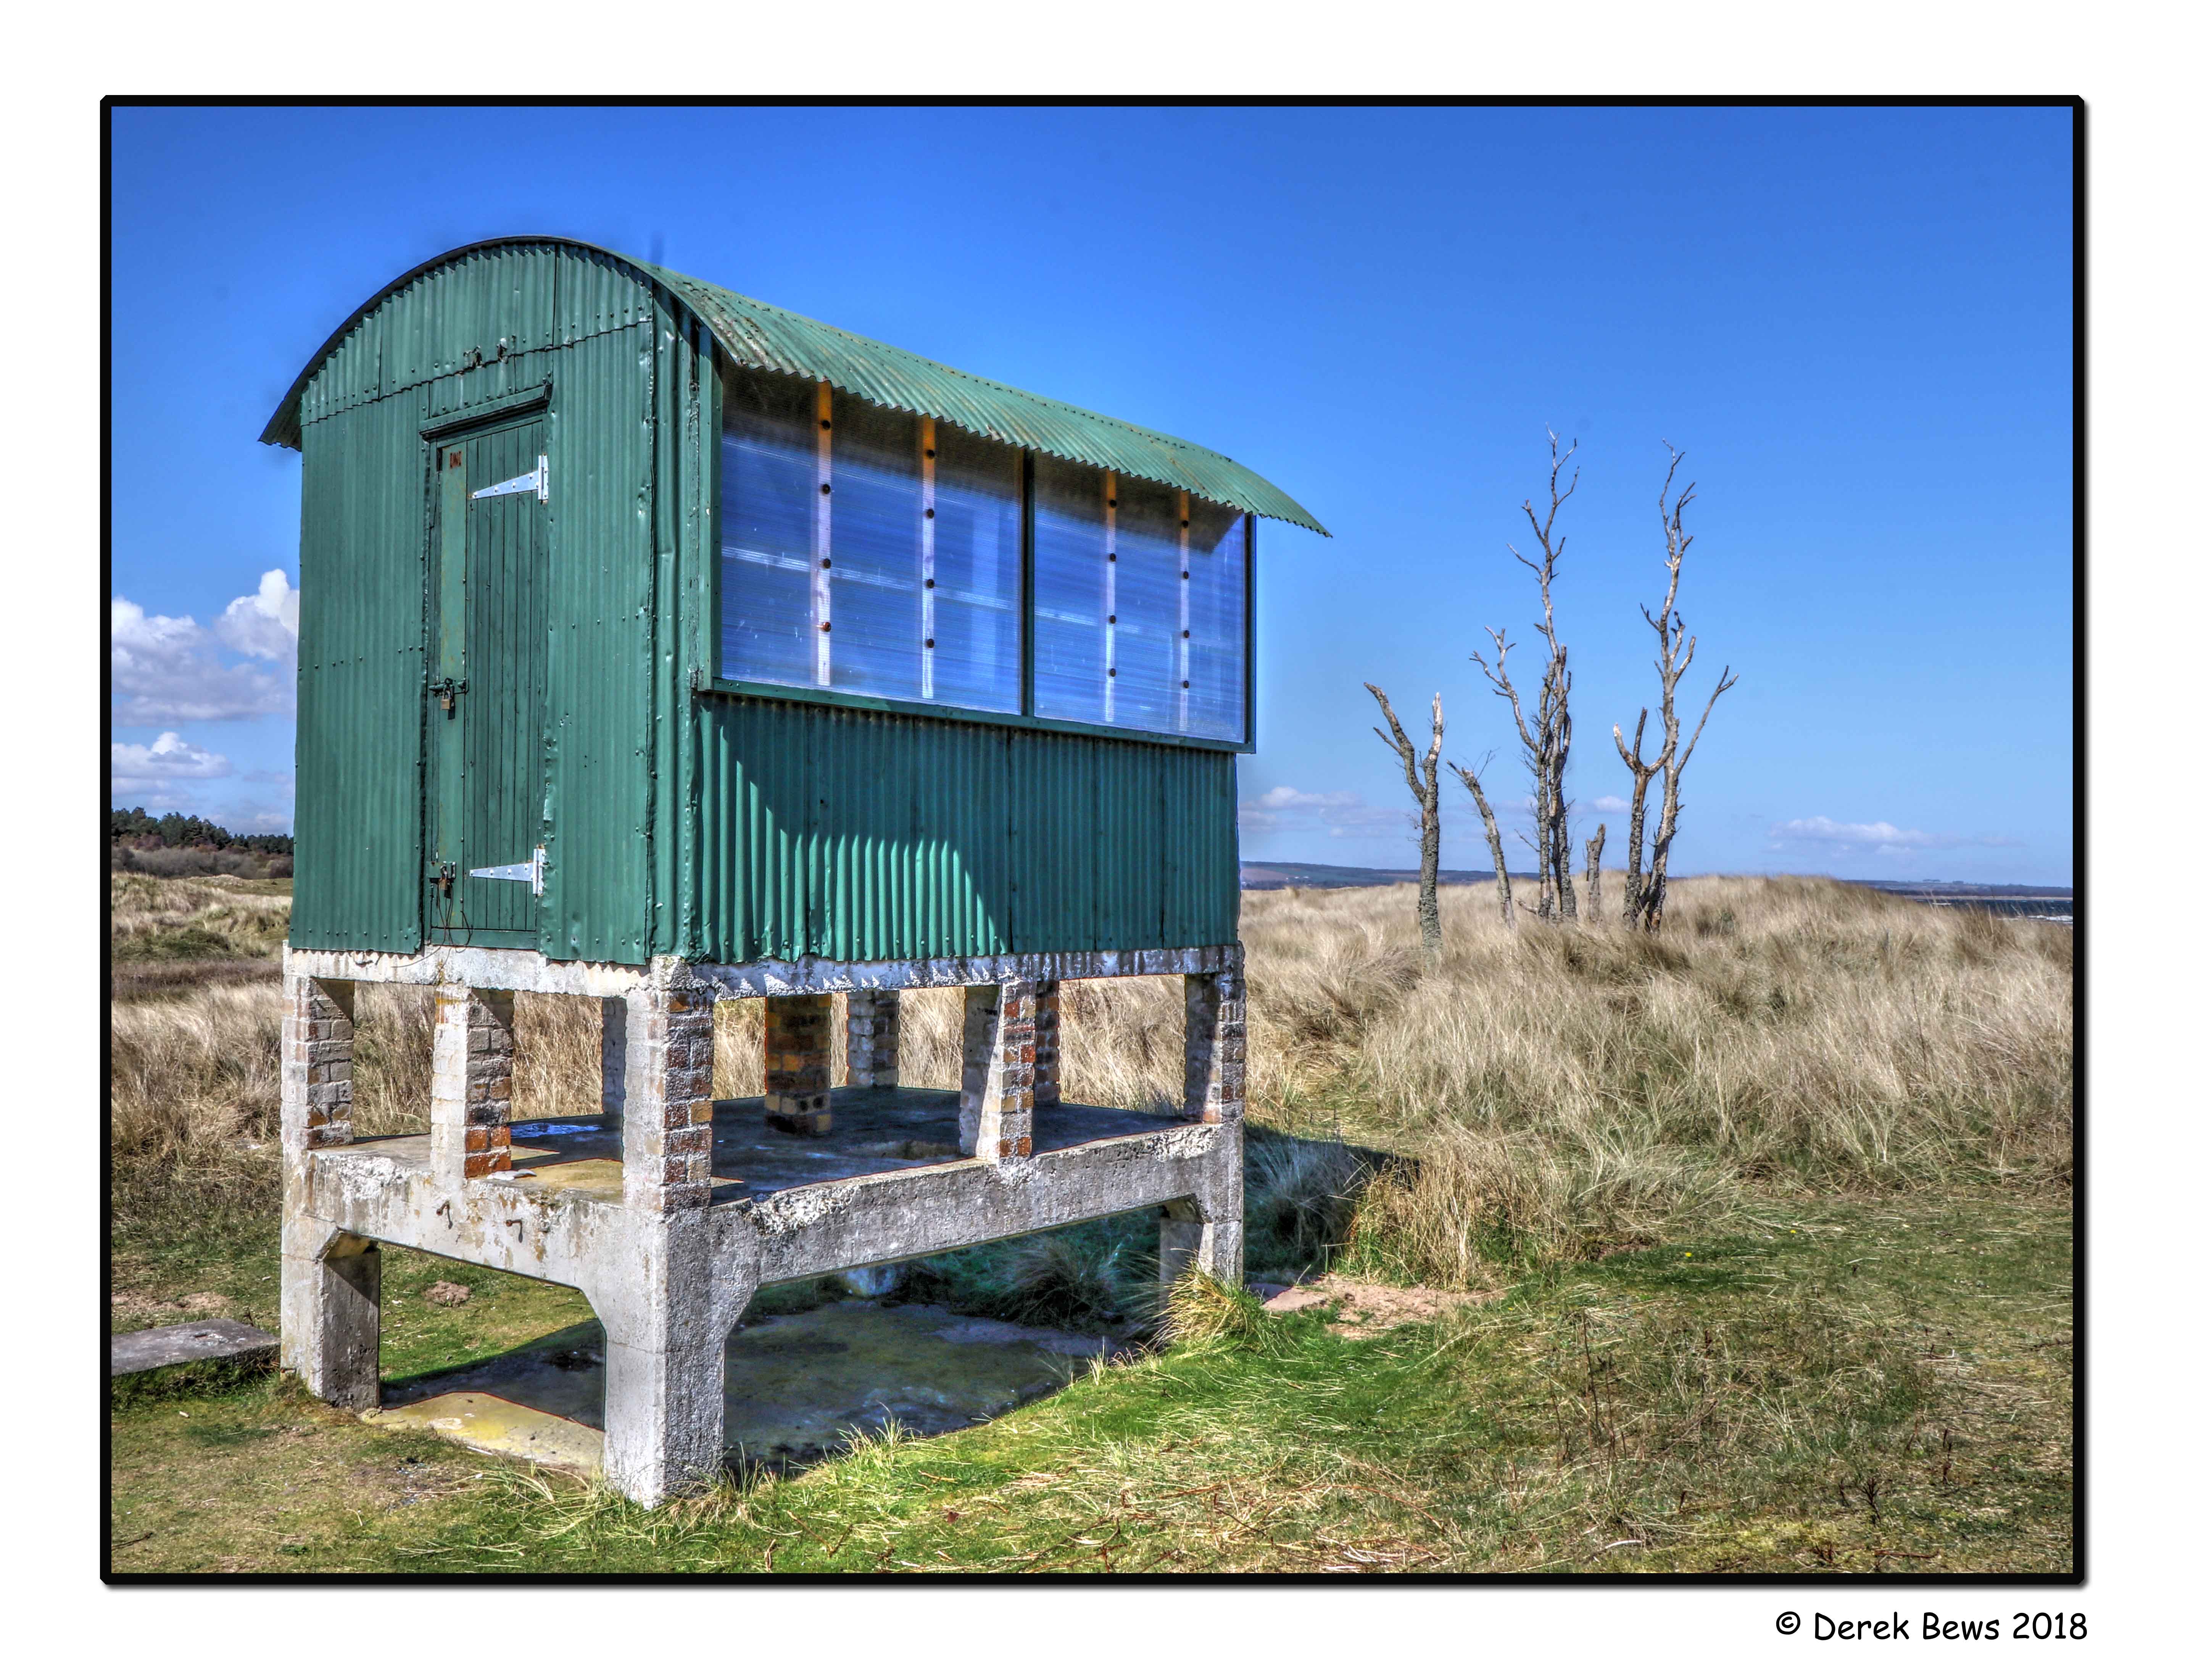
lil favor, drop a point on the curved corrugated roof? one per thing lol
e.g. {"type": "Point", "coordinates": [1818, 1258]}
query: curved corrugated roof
{"type": "Point", "coordinates": [759, 334]}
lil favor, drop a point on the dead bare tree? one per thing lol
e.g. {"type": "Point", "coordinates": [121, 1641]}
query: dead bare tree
{"type": "Point", "coordinates": [1593, 847]}
{"type": "Point", "coordinates": [1424, 785]}
{"type": "Point", "coordinates": [1645, 892]}
{"type": "Point", "coordinates": [1642, 772]}
{"type": "Point", "coordinates": [1491, 837]}
{"type": "Point", "coordinates": [1545, 733]}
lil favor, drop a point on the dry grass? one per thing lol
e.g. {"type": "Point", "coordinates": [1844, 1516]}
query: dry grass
{"type": "Point", "coordinates": [1561, 1090]}
{"type": "Point", "coordinates": [1548, 1093]}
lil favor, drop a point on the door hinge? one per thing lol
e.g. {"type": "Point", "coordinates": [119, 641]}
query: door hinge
{"type": "Point", "coordinates": [533, 870]}
{"type": "Point", "coordinates": [536, 481]}
{"type": "Point", "coordinates": [447, 691]}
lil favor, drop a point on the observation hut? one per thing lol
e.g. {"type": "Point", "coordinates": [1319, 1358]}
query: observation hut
{"type": "Point", "coordinates": [660, 646]}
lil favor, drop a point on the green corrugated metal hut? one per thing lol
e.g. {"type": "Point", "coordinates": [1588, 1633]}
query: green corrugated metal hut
{"type": "Point", "coordinates": [706, 629]}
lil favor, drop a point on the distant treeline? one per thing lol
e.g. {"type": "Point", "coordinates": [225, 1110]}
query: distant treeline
{"type": "Point", "coordinates": [176, 844]}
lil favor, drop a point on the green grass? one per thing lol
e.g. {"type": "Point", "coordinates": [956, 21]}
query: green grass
{"type": "Point", "coordinates": [1827, 1386]}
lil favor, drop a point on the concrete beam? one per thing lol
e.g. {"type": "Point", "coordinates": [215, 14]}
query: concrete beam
{"type": "Point", "coordinates": [812, 1230]}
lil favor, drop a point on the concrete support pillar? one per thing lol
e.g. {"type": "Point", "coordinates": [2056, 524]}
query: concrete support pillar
{"type": "Point", "coordinates": [1206, 1234]}
{"type": "Point", "coordinates": [468, 1112]}
{"type": "Point", "coordinates": [331, 1312]}
{"type": "Point", "coordinates": [330, 1281]}
{"type": "Point", "coordinates": [997, 1072]}
{"type": "Point", "coordinates": [665, 1313]}
{"type": "Point", "coordinates": [1216, 1072]}
{"type": "Point", "coordinates": [1045, 1094]}
{"type": "Point", "coordinates": [665, 1103]}
{"type": "Point", "coordinates": [795, 1059]}
{"type": "Point", "coordinates": [871, 1039]}
{"type": "Point", "coordinates": [1186, 1240]}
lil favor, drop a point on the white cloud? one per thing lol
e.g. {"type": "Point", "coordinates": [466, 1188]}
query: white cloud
{"type": "Point", "coordinates": [1607, 803]}
{"type": "Point", "coordinates": [156, 776]}
{"type": "Point", "coordinates": [169, 756]}
{"type": "Point", "coordinates": [1885, 840]}
{"type": "Point", "coordinates": [264, 625]}
{"type": "Point", "coordinates": [1285, 810]}
{"type": "Point", "coordinates": [165, 672]}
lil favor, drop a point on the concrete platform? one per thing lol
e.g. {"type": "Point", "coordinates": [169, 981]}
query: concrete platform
{"type": "Point", "coordinates": [872, 1130]}
{"type": "Point", "coordinates": [794, 1387]}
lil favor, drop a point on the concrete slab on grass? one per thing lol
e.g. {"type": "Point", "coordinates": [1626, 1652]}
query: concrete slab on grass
{"type": "Point", "coordinates": [209, 1339]}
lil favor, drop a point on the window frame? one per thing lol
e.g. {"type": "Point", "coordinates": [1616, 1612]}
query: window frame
{"type": "Point", "coordinates": [713, 682]}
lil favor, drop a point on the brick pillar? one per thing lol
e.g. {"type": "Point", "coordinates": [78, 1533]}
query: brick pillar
{"type": "Point", "coordinates": [872, 1039]}
{"type": "Point", "coordinates": [1045, 1094]}
{"type": "Point", "coordinates": [1218, 1044]}
{"type": "Point", "coordinates": [795, 1060]}
{"type": "Point", "coordinates": [468, 1112]}
{"type": "Point", "coordinates": [666, 1103]}
{"type": "Point", "coordinates": [317, 1027]}
{"type": "Point", "coordinates": [997, 1070]}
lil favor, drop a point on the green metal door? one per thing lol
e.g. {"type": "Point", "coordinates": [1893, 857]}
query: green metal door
{"type": "Point", "coordinates": [485, 705]}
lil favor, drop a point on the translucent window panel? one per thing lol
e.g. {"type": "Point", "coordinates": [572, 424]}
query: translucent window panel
{"type": "Point", "coordinates": [876, 512]}
{"type": "Point", "coordinates": [976, 558]}
{"type": "Point", "coordinates": [1218, 618]}
{"type": "Point", "coordinates": [769, 528]}
{"type": "Point", "coordinates": [1071, 588]}
{"type": "Point", "coordinates": [1147, 645]}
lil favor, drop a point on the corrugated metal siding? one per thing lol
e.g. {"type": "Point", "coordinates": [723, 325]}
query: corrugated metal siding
{"type": "Point", "coordinates": [860, 835]}
{"type": "Point", "coordinates": [518, 300]}
{"type": "Point", "coordinates": [593, 293]}
{"type": "Point", "coordinates": [361, 658]}
{"type": "Point", "coordinates": [602, 692]}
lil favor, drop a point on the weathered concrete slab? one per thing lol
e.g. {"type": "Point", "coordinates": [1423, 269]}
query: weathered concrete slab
{"type": "Point", "coordinates": [209, 1338]}
{"type": "Point", "coordinates": [794, 1387]}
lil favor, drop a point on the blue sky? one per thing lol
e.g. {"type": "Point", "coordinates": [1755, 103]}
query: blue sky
{"type": "Point", "coordinates": [1856, 322]}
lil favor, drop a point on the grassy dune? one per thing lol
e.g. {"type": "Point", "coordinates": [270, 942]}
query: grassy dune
{"type": "Point", "coordinates": [1753, 1237]}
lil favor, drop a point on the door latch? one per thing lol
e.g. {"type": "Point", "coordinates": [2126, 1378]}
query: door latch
{"type": "Point", "coordinates": [447, 691]}
{"type": "Point", "coordinates": [445, 878]}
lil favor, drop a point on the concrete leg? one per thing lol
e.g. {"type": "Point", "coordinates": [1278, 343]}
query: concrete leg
{"type": "Point", "coordinates": [1209, 1234]}
{"type": "Point", "coordinates": [331, 1313]}
{"type": "Point", "coordinates": [1186, 1241]}
{"type": "Point", "coordinates": [997, 1070]}
{"type": "Point", "coordinates": [872, 1039]}
{"type": "Point", "coordinates": [330, 1281]}
{"type": "Point", "coordinates": [795, 1059]}
{"type": "Point", "coordinates": [1045, 1094]}
{"type": "Point", "coordinates": [664, 1317]}
{"type": "Point", "coordinates": [665, 1104]}
{"type": "Point", "coordinates": [468, 1115]}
